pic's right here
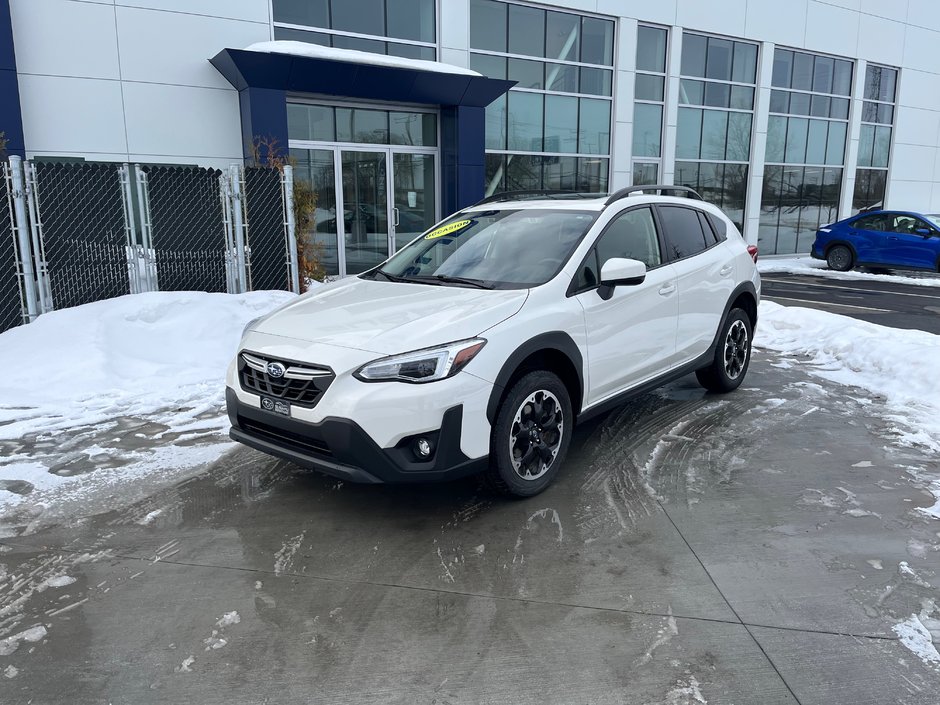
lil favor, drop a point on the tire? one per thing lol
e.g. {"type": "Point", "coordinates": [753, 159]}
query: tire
{"type": "Point", "coordinates": [840, 258]}
{"type": "Point", "coordinates": [732, 355]}
{"type": "Point", "coordinates": [537, 393]}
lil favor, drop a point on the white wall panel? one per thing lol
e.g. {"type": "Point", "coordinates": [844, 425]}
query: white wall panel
{"type": "Point", "coordinates": [880, 40]}
{"type": "Point", "coordinates": [912, 195]}
{"type": "Point", "coordinates": [830, 29]}
{"type": "Point", "coordinates": [785, 27]}
{"type": "Point", "coordinates": [920, 49]}
{"type": "Point", "coordinates": [196, 39]}
{"type": "Point", "coordinates": [917, 126]}
{"type": "Point", "coordinates": [455, 24]}
{"type": "Point", "coordinates": [72, 115]}
{"type": "Point", "coordinates": [913, 163]}
{"type": "Point", "coordinates": [718, 16]}
{"type": "Point", "coordinates": [924, 13]}
{"type": "Point", "coordinates": [919, 89]}
{"type": "Point", "coordinates": [64, 38]}
{"type": "Point", "coordinates": [249, 10]}
{"type": "Point", "coordinates": [660, 12]}
{"type": "Point", "coordinates": [890, 9]}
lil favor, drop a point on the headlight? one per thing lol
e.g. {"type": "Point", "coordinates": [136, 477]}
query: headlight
{"type": "Point", "coordinates": [428, 365]}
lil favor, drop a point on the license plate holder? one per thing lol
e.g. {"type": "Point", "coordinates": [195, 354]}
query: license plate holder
{"type": "Point", "coordinates": [275, 406]}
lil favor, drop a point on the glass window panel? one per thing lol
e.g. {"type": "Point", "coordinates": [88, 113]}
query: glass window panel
{"type": "Point", "coordinates": [802, 71]}
{"type": "Point", "coordinates": [873, 82]}
{"type": "Point", "coordinates": [882, 145]}
{"type": "Point", "coordinates": [718, 61]}
{"type": "Point", "coordinates": [839, 108]}
{"type": "Point", "coordinates": [362, 16]}
{"type": "Point", "coordinates": [739, 137]}
{"type": "Point", "coordinates": [523, 172]}
{"type": "Point", "coordinates": [693, 55]}
{"type": "Point", "coordinates": [412, 51]}
{"type": "Point", "coordinates": [597, 41]}
{"type": "Point", "coordinates": [525, 121]}
{"type": "Point", "coordinates": [310, 122]}
{"type": "Point", "coordinates": [869, 189]}
{"type": "Point", "coordinates": [411, 19]}
{"type": "Point", "coordinates": [734, 191]}
{"type": "Point", "coordinates": [631, 235]}
{"type": "Point", "coordinates": [562, 36]}
{"type": "Point", "coordinates": [495, 165]}
{"type": "Point", "coordinates": [889, 79]}
{"type": "Point", "coordinates": [315, 166]}
{"type": "Point", "coordinates": [745, 63]}
{"type": "Point", "coordinates": [594, 126]}
{"type": "Point", "coordinates": [596, 81]}
{"type": "Point", "coordinates": [779, 101]}
{"type": "Point", "coordinates": [526, 30]}
{"type": "Point", "coordinates": [835, 145]}
{"type": "Point", "coordinates": [742, 97]}
{"type": "Point", "coordinates": [684, 235]}
{"type": "Point", "coordinates": [419, 129]}
{"type": "Point", "coordinates": [315, 13]}
{"type": "Point", "coordinates": [488, 25]}
{"type": "Point", "coordinates": [488, 65]}
{"type": "Point", "coordinates": [560, 173]}
{"type": "Point", "coordinates": [528, 73]}
{"type": "Point", "coordinates": [647, 130]}
{"type": "Point", "coordinates": [869, 112]}
{"type": "Point", "coordinates": [816, 141]}
{"type": "Point", "coordinates": [866, 145]}
{"type": "Point", "coordinates": [819, 106]}
{"type": "Point", "coordinates": [357, 125]}
{"type": "Point", "coordinates": [687, 174]}
{"type": "Point", "coordinates": [414, 195]}
{"type": "Point", "coordinates": [886, 114]}
{"type": "Point", "coordinates": [689, 133]}
{"type": "Point", "coordinates": [717, 95]}
{"type": "Point", "coordinates": [770, 209]}
{"type": "Point", "coordinates": [645, 173]}
{"type": "Point", "coordinates": [561, 77]}
{"type": "Point", "coordinates": [822, 74]}
{"type": "Point", "coordinates": [691, 92]}
{"type": "Point", "coordinates": [592, 174]}
{"type": "Point", "coordinates": [370, 45]}
{"type": "Point", "coordinates": [561, 123]}
{"type": "Point", "coordinates": [799, 103]}
{"type": "Point", "coordinates": [796, 141]}
{"type": "Point", "coordinates": [714, 134]}
{"type": "Point", "coordinates": [776, 138]}
{"type": "Point", "coordinates": [709, 182]}
{"type": "Point", "coordinates": [783, 68]}
{"type": "Point", "coordinates": [842, 77]}
{"type": "Point", "coordinates": [496, 124]}
{"type": "Point", "coordinates": [830, 195]}
{"type": "Point", "coordinates": [649, 87]}
{"type": "Point", "coordinates": [298, 35]}
{"type": "Point", "coordinates": [651, 49]}
{"type": "Point", "coordinates": [810, 207]}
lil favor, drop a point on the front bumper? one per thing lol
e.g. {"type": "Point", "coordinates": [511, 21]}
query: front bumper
{"type": "Point", "coordinates": [341, 448]}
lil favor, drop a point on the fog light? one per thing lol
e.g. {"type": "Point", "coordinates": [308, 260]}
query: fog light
{"type": "Point", "coordinates": [423, 448]}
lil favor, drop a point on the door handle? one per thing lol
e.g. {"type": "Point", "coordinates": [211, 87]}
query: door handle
{"type": "Point", "coordinates": [726, 270]}
{"type": "Point", "coordinates": [893, 237]}
{"type": "Point", "coordinates": [395, 217]}
{"type": "Point", "coordinates": [666, 289]}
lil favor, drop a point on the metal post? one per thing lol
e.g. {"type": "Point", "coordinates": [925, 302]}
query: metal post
{"type": "Point", "coordinates": [231, 283]}
{"type": "Point", "coordinates": [237, 213]}
{"type": "Point", "coordinates": [291, 226]}
{"type": "Point", "coordinates": [135, 253]}
{"type": "Point", "coordinates": [22, 238]}
{"type": "Point", "coordinates": [39, 248]}
{"type": "Point", "coordinates": [146, 230]}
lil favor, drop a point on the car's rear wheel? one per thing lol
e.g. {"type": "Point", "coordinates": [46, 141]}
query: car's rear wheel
{"type": "Point", "coordinates": [840, 258]}
{"type": "Point", "coordinates": [530, 438]}
{"type": "Point", "coordinates": [732, 354]}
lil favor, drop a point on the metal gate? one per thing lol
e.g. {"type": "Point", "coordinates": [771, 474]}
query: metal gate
{"type": "Point", "coordinates": [187, 227]}
{"type": "Point", "coordinates": [78, 210]}
{"type": "Point", "coordinates": [267, 254]}
{"type": "Point", "coordinates": [11, 306]}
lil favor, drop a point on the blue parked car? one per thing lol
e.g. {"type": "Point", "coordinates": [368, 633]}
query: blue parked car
{"type": "Point", "coordinates": [892, 239]}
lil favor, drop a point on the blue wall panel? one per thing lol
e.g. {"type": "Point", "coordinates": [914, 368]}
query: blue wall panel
{"type": "Point", "coordinates": [11, 118]}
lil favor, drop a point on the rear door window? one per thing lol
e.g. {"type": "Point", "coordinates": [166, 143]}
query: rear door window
{"type": "Point", "coordinates": [683, 231]}
{"type": "Point", "coordinates": [874, 223]}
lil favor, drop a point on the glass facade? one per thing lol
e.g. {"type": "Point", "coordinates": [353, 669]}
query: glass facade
{"type": "Point", "coordinates": [649, 105]}
{"type": "Point", "coordinates": [552, 130]}
{"type": "Point", "coordinates": [715, 122]}
{"type": "Point", "coordinates": [806, 137]}
{"type": "Point", "coordinates": [404, 28]}
{"type": "Point", "coordinates": [874, 145]}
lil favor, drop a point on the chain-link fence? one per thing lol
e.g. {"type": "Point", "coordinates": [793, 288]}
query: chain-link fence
{"type": "Point", "coordinates": [92, 231]}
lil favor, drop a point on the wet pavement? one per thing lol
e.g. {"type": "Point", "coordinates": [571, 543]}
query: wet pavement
{"type": "Point", "coordinates": [757, 547]}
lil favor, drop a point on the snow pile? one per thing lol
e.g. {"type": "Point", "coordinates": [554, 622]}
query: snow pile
{"type": "Point", "coordinates": [817, 268]}
{"type": "Point", "coordinates": [898, 365]}
{"type": "Point", "coordinates": [315, 51]}
{"type": "Point", "coordinates": [915, 636]}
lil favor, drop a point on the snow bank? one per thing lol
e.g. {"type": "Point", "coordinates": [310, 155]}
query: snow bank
{"type": "Point", "coordinates": [315, 51]}
{"type": "Point", "coordinates": [898, 365]}
{"type": "Point", "coordinates": [817, 268]}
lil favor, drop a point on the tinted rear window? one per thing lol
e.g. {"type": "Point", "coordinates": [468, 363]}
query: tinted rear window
{"type": "Point", "coordinates": [683, 231]}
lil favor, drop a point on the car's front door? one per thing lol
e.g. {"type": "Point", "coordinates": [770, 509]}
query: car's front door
{"type": "Point", "coordinates": [631, 335]}
{"type": "Point", "coordinates": [909, 245]}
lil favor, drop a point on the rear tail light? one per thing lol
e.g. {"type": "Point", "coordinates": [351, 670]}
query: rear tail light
{"type": "Point", "coordinates": [752, 251]}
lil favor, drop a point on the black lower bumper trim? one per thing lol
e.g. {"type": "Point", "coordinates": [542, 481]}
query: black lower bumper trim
{"type": "Point", "coordinates": [339, 447]}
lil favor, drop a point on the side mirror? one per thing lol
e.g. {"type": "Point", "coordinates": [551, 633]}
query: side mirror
{"type": "Point", "coordinates": [618, 271]}
{"type": "Point", "coordinates": [926, 232]}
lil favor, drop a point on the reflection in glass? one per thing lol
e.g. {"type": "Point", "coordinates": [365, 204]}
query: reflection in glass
{"type": "Point", "coordinates": [796, 140]}
{"type": "Point", "coordinates": [488, 65]}
{"type": "Point", "coordinates": [596, 81]}
{"type": "Point", "coordinates": [689, 133]}
{"type": "Point", "coordinates": [562, 36]}
{"type": "Point", "coordinates": [488, 25]}
{"type": "Point", "coordinates": [594, 126]}
{"type": "Point", "coordinates": [651, 49]}
{"type": "Point", "coordinates": [714, 134]}
{"type": "Point", "coordinates": [358, 125]}
{"type": "Point", "coordinates": [879, 155]}
{"type": "Point", "coordinates": [315, 167]}
{"type": "Point", "coordinates": [869, 188]}
{"type": "Point", "coordinates": [592, 174]}
{"type": "Point", "coordinates": [816, 142]}
{"type": "Point", "coordinates": [835, 149]}
{"type": "Point", "coordinates": [418, 129]}
{"type": "Point", "coordinates": [597, 41]}
{"type": "Point", "coordinates": [718, 59]}
{"type": "Point", "coordinates": [526, 30]}
{"type": "Point", "coordinates": [310, 122]}
{"type": "Point", "coordinates": [694, 47]}
{"type": "Point", "coordinates": [739, 137]}
{"type": "Point", "coordinates": [745, 63]}
{"type": "Point", "coordinates": [559, 173]}
{"type": "Point", "coordinates": [410, 19]}
{"type": "Point", "coordinates": [561, 77]}
{"type": "Point", "coordinates": [527, 73]}
{"type": "Point", "coordinates": [866, 145]}
{"type": "Point", "coordinates": [647, 130]}
{"type": "Point", "coordinates": [365, 209]}
{"type": "Point", "coordinates": [644, 173]}
{"type": "Point", "coordinates": [649, 87]}
{"type": "Point", "coordinates": [313, 13]}
{"type": "Point", "coordinates": [523, 172]}
{"type": "Point", "coordinates": [776, 138]}
{"type": "Point", "coordinates": [414, 195]}
{"type": "Point", "coordinates": [561, 123]}
{"type": "Point", "coordinates": [525, 121]}
{"type": "Point", "coordinates": [496, 124]}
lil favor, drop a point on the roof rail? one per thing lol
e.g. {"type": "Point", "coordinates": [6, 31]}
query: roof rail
{"type": "Point", "coordinates": [661, 188]}
{"type": "Point", "coordinates": [534, 194]}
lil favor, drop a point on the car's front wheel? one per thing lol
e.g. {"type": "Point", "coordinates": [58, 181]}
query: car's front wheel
{"type": "Point", "coordinates": [531, 435]}
{"type": "Point", "coordinates": [732, 355]}
{"type": "Point", "coordinates": [840, 258]}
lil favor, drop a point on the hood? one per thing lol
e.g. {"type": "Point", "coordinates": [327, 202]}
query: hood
{"type": "Point", "coordinates": [390, 317]}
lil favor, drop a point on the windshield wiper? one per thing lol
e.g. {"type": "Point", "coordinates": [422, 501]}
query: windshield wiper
{"type": "Point", "coordinates": [445, 279]}
{"type": "Point", "coordinates": [391, 277]}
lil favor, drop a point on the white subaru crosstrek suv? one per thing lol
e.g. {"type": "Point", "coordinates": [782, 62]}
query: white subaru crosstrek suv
{"type": "Point", "coordinates": [479, 345]}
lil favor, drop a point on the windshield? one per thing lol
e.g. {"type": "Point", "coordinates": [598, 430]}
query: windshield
{"type": "Point", "coordinates": [934, 219]}
{"type": "Point", "coordinates": [506, 249]}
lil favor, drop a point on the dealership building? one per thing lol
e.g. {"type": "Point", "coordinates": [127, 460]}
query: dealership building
{"type": "Point", "coordinates": [398, 112]}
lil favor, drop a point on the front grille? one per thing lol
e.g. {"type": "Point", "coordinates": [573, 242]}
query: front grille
{"type": "Point", "coordinates": [294, 441]}
{"type": "Point", "coordinates": [301, 384]}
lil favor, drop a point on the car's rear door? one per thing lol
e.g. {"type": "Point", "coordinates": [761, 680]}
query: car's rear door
{"type": "Point", "coordinates": [705, 275]}
{"type": "Point", "coordinates": [869, 236]}
{"type": "Point", "coordinates": [631, 336]}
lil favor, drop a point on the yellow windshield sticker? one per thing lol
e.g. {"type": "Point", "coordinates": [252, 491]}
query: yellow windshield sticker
{"type": "Point", "coordinates": [447, 229]}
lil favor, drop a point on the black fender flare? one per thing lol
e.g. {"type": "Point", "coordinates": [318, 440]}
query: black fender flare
{"type": "Point", "coordinates": [742, 288]}
{"type": "Point", "coordinates": [556, 340]}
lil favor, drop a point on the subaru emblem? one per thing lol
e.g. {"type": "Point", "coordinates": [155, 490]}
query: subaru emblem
{"type": "Point", "coordinates": [276, 370]}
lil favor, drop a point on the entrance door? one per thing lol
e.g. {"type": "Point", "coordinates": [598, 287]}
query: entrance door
{"type": "Point", "coordinates": [365, 209]}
